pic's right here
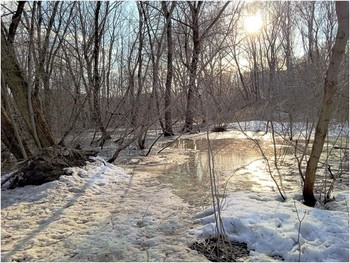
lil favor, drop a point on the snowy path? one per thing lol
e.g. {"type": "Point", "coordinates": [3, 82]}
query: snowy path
{"type": "Point", "coordinates": [99, 213]}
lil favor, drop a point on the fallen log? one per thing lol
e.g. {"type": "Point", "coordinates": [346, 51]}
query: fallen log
{"type": "Point", "coordinates": [48, 165]}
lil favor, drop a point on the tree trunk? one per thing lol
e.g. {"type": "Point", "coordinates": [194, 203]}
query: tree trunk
{"type": "Point", "coordinates": [8, 137]}
{"type": "Point", "coordinates": [197, 39]}
{"type": "Point", "coordinates": [155, 58]}
{"type": "Point", "coordinates": [15, 21]}
{"type": "Point", "coordinates": [193, 67]}
{"type": "Point", "coordinates": [167, 99]}
{"type": "Point", "coordinates": [135, 98]}
{"type": "Point", "coordinates": [330, 89]}
{"type": "Point", "coordinates": [44, 57]}
{"type": "Point", "coordinates": [13, 77]}
{"type": "Point", "coordinates": [96, 78]}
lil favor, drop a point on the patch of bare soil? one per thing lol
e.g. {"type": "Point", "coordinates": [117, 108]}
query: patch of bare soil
{"type": "Point", "coordinates": [217, 250]}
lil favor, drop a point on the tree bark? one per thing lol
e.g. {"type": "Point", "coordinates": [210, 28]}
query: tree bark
{"type": "Point", "coordinates": [167, 98]}
{"type": "Point", "coordinates": [15, 21]}
{"type": "Point", "coordinates": [14, 78]}
{"type": "Point", "coordinates": [197, 40]}
{"type": "Point", "coordinates": [195, 8]}
{"type": "Point", "coordinates": [96, 77]}
{"type": "Point", "coordinates": [330, 89]}
{"type": "Point", "coordinates": [8, 137]}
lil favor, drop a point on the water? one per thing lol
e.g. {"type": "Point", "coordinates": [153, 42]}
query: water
{"type": "Point", "coordinates": [238, 166]}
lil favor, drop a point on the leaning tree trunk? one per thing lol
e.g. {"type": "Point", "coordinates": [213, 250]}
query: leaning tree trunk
{"type": "Point", "coordinates": [16, 81]}
{"type": "Point", "coordinates": [330, 89]}
{"type": "Point", "coordinates": [19, 88]}
{"type": "Point", "coordinates": [19, 149]}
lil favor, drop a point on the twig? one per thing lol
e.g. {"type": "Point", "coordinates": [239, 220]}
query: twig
{"type": "Point", "coordinates": [299, 229]}
{"type": "Point", "coordinates": [155, 141]}
{"type": "Point", "coordinates": [169, 144]}
{"type": "Point", "coordinates": [265, 158]}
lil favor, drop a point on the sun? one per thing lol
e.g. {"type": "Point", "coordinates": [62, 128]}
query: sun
{"type": "Point", "coordinates": [253, 23]}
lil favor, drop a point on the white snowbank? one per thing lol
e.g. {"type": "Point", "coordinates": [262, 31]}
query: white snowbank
{"type": "Point", "coordinates": [270, 227]}
{"type": "Point", "coordinates": [335, 129]}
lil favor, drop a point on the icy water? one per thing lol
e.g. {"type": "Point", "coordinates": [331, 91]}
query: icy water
{"type": "Point", "coordinates": [238, 166]}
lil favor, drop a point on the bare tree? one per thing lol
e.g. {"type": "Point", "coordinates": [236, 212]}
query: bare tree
{"type": "Point", "coordinates": [44, 56]}
{"type": "Point", "coordinates": [98, 30]}
{"type": "Point", "coordinates": [195, 8]}
{"type": "Point", "coordinates": [327, 104]}
{"type": "Point", "coordinates": [14, 78]}
{"type": "Point", "coordinates": [168, 131]}
{"type": "Point", "coordinates": [197, 41]}
{"type": "Point", "coordinates": [156, 51]}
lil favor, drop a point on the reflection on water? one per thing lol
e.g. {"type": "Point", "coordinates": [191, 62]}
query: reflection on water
{"type": "Point", "coordinates": [238, 166]}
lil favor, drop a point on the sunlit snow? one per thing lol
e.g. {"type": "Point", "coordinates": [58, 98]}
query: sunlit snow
{"type": "Point", "coordinates": [99, 213]}
{"type": "Point", "coordinates": [270, 227]}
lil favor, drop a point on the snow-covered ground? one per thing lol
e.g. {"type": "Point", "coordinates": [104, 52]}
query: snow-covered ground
{"type": "Point", "coordinates": [298, 128]}
{"type": "Point", "coordinates": [105, 213]}
{"type": "Point", "coordinates": [99, 213]}
{"type": "Point", "coordinates": [270, 227]}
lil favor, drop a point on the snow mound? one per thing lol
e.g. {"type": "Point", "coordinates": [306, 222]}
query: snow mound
{"type": "Point", "coordinates": [95, 175]}
{"type": "Point", "coordinates": [271, 228]}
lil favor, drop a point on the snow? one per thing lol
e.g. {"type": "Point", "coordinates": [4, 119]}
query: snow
{"type": "Point", "coordinates": [98, 213]}
{"type": "Point", "coordinates": [270, 227]}
{"type": "Point", "coordinates": [299, 128]}
{"type": "Point", "coordinates": [101, 212]}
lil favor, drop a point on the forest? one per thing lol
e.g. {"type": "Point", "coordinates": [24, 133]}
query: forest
{"type": "Point", "coordinates": [106, 78]}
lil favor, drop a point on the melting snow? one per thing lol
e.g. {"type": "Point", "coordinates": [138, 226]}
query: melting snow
{"type": "Point", "coordinates": [270, 227]}
{"type": "Point", "coordinates": [101, 213]}
{"type": "Point", "coordinates": [98, 213]}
